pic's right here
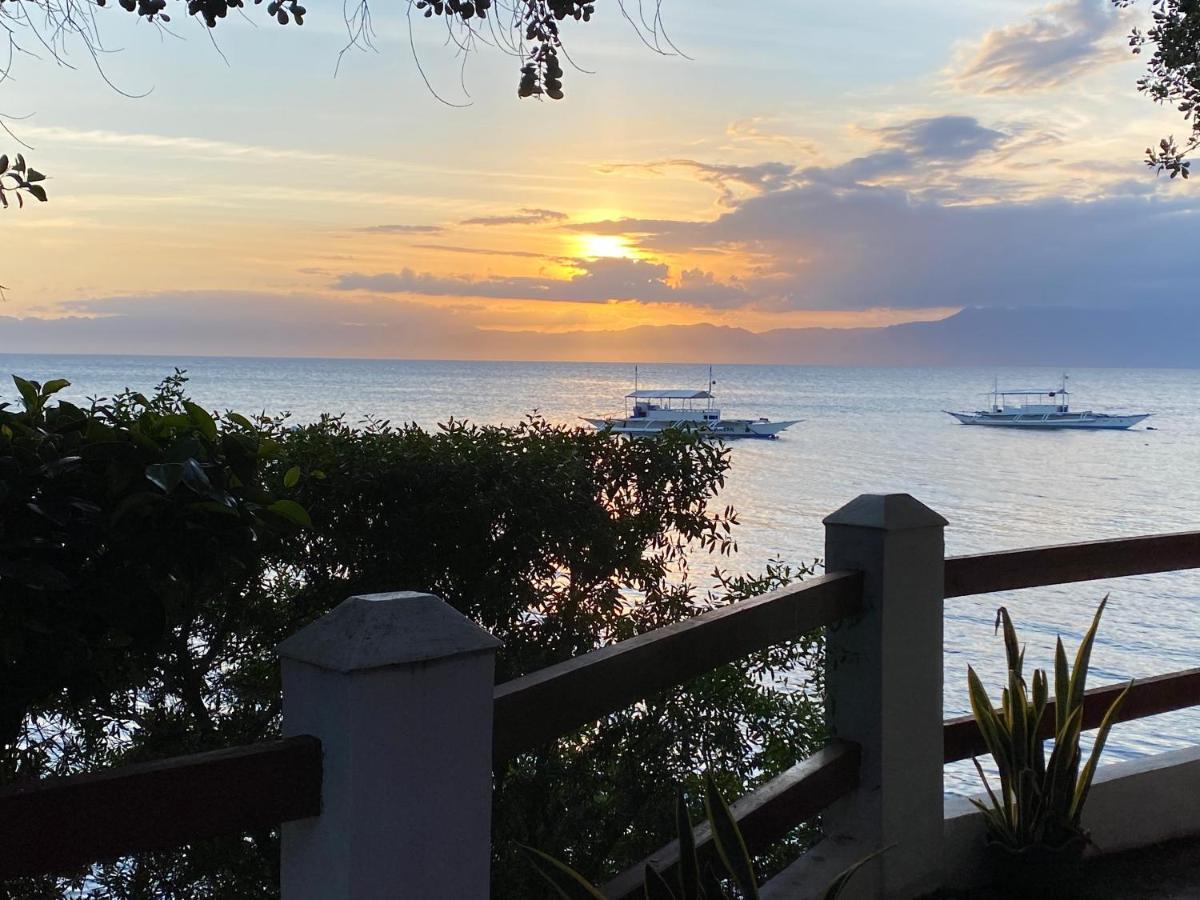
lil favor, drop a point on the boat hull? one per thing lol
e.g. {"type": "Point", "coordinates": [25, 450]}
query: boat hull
{"type": "Point", "coordinates": [731, 429]}
{"type": "Point", "coordinates": [1076, 421]}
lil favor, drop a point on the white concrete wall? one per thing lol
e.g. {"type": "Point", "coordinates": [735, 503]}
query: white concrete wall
{"type": "Point", "coordinates": [1131, 804]}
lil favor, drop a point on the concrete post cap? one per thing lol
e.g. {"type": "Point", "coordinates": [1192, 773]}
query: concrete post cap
{"type": "Point", "coordinates": [887, 512]}
{"type": "Point", "coordinates": [377, 631]}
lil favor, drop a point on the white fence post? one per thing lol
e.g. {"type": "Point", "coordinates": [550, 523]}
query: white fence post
{"type": "Point", "coordinates": [398, 687]}
{"type": "Point", "coordinates": [884, 686]}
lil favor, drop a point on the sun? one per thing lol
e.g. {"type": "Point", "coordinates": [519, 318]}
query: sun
{"type": "Point", "coordinates": [596, 245]}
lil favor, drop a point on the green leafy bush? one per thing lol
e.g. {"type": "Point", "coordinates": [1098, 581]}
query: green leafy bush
{"type": "Point", "coordinates": [122, 527]}
{"type": "Point", "coordinates": [557, 539]}
{"type": "Point", "coordinates": [1040, 801]}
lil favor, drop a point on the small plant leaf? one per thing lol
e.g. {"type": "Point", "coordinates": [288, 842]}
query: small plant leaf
{"type": "Point", "coordinates": [165, 475]}
{"type": "Point", "coordinates": [1089, 770]}
{"type": "Point", "coordinates": [728, 839]}
{"type": "Point", "coordinates": [839, 884]}
{"type": "Point", "coordinates": [712, 885]}
{"type": "Point", "coordinates": [201, 419]}
{"type": "Point", "coordinates": [1083, 657]}
{"type": "Point", "coordinates": [656, 887]}
{"type": "Point", "coordinates": [1062, 686]}
{"type": "Point", "coordinates": [569, 884]}
{"type": "Point", "coordinates": [292, 511]}
{"type": "Point", "coordinates": [29, 393]}
{"type": "Point", "coordinates": [689, 863]}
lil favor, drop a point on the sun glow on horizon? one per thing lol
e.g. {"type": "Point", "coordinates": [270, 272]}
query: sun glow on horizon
{"type": "Point", "coordinates": [613, 246]}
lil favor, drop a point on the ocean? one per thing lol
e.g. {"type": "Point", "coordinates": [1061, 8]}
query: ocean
{"type": "Point", "coordinates": [864, 430]}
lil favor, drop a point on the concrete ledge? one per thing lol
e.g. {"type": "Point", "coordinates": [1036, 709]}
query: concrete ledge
{"type": "Point", "coordinates": [1131, 804]}
{"type": "Point", "coordinates": [809, 876]}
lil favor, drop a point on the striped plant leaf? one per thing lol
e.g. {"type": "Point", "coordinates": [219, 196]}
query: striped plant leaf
{"type": "Point", "coordinates": [656, 887]}
{"type": "Point", "coordinates": [1083, 656]}
{"type": "Point", "coordinates": [689, 862]}
{"type": "Point", "coordinates": [568, 883]}
{"type": "Point", "coordinates": [1041, 799]}
{"type": "Point", "coordinates": [838, 885]}
{"type": "Point", "coordinates": [728, 839]}
{"type": "Point", "coordinates": [1089, 771]}
{"type": "Point", "coordinates": [1062, 686]}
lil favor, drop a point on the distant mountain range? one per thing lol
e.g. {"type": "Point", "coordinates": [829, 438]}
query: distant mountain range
{"type": "Point", "coordinates": [1150, 336]}
{"type": "Point", "coordinates": [1167, 337]}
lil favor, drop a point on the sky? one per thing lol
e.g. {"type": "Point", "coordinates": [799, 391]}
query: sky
{"type": "Point", "coordinates": [814, 164]}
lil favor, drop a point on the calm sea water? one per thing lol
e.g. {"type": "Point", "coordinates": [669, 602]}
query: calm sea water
{"type": "Point", "coordinates": [864, 430]}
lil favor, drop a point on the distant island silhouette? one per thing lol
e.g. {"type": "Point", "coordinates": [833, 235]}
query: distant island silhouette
{"type": "Point", "coordinates": [1150, 336]}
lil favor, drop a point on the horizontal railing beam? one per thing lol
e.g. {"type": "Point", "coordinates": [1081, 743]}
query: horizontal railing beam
{"type": "Point", "coordinates": [1147, 697]}
{"type": "Point", "coordinates": [1008, 570]}
{"type": "Point", "coordinates": [542, 706]}
{"type": "Point", "coordinates": [765, 815]}
{"type": "Point", "coordinates": [62, 824]}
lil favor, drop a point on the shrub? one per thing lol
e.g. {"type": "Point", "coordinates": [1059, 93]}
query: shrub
{"type": "Point", "coordinates": [558, 540]}
{"type": "Point", "coordinates": [125, 529]}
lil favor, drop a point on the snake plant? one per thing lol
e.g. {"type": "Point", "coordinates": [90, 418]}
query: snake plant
{"type": "Point", "coordinates": [691, 882]}
{"type": "Point", "coordinates": [1040, 800]}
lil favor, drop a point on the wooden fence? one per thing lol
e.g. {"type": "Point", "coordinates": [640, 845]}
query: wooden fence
{"type": "Point", "coordinates": [393, 725]}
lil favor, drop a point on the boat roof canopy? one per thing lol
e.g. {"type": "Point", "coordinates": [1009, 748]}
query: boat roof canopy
{"type": "Point", "coordinates": [669, 395]}
{"type": "Point", "coordinates": [1031, 392]}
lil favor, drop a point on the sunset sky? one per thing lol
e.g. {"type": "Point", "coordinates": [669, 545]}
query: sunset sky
{"type": "Point", "coordinates": [813, 164]}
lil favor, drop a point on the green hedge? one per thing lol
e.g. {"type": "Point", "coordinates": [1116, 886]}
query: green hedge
{"type": "Point", "coordinates": [153, 554]}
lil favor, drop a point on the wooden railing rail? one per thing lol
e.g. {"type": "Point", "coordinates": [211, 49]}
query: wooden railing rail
{"type": "Point", "coordinates": [1147, 697]}
{"type": "Point", "coordinates": [765, 815]}
{"type": "Point", "coordinates": [536, 708]}
{"type": "Point", "coordinates": [1007, 570]}
{"type": "Point", "coordinates": [60, 824]}
{"type": "Point", "coordinates": [399, 691]}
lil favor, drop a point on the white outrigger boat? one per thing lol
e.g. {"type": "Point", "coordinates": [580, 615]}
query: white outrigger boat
{"type": "Point", "coordinates": [654, 411]}
{"type": "Point", "coordinates": [1041, 409]}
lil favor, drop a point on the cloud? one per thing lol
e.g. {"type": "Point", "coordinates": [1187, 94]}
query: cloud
{"type": "Point", "coordinates": [911, 147]}
{"type": "Point", "coordinates": [624, 226]}
{"type": "Point", "coordinates": [400, 229]}
{"type": "Point", "coordinates": [1058, 43]}
{"type": "Point", "coordinates": [483, 251]}
{"type": "Point", "coordinates": [764, 131]}
{"type": "Point", "coordinates": [936, 217]}
{"type": "Point", "coordinates": [525, 216]}
{"type": "Point", "coordinates": [943, 137]}
{"type": "Point", "coordinates": [858, 247]}
{"type": "Point", "coordinates": [726, 178]}
{"type": "Point", "coordinates": [873, 166]}
{"type": "Point", "coordinates": [597, 281]}
{"type": "Point", "coordinates": [181, 145]}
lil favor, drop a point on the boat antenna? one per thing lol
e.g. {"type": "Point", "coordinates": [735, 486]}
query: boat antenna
{"type": "Point", "coordinates": [635, 376]}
